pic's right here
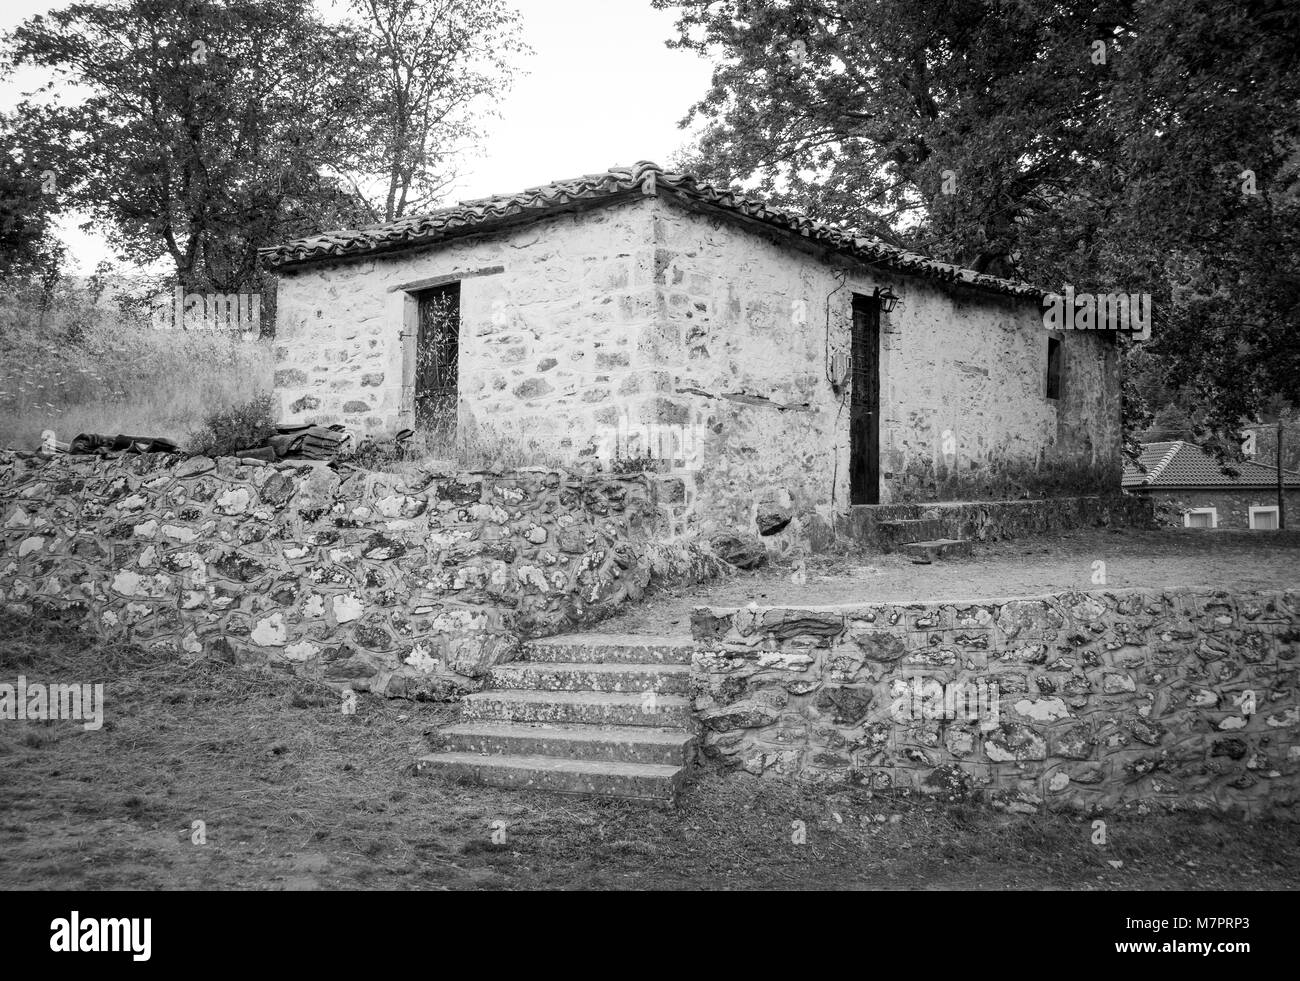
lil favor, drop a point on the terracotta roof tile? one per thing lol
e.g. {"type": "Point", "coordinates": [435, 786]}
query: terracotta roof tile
{"type": "Point", "coordinates": [1183, 464]}
{"type": "Point", "coordinates": [613, 184]}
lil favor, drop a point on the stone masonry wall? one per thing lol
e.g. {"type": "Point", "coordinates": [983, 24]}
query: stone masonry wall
{"type": "Point", "coordinates": [405, 586]}
{"type": "Point", "coordinates": [744, 333]}
{"type": "Point", "coordinates": [641, 328]}
{"type": "Point", "coordinates": [985, 521]}
{"type": "Point", "coordinates": [549, 312]}
{"type": "Point", "coordinates": [1093, 700]}
{"type": "Point", "coordinates": [1233, 506]}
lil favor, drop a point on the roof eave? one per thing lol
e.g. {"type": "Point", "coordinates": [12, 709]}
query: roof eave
{"type": "Point", "coordinates": [485, 228]}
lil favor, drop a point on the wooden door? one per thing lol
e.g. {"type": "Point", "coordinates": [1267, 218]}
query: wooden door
{"type": "Point", "coordinates": [864, 403]}
{"type": "Point", "coordinates": [437, 367]}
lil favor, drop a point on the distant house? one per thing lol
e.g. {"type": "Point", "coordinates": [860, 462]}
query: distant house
{"type": "Point", "coordinates": [764, 355]}
{"type": "Point", "coordinates": [1190, 489]}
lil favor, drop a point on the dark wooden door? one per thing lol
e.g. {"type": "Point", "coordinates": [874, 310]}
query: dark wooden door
{"type": "Point", "coordinates": [437, 349]}
{"type": "Point", "coordinates": [864, 403]}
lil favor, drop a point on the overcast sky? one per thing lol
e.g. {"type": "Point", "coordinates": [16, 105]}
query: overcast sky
{"type": "Point", "coordinates": [601, 90]}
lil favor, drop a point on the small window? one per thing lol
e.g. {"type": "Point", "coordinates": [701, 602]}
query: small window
{"type": "Point", "coordinates": [1201, 518]}
{"type": "Point", "coordinates": [1053, 368]}
{"type": "Point", "coordinates": [1264, 518]}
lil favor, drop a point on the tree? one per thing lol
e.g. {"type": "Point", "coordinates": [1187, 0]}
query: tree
{"type": "Point", "coordinates": [205, 126]}
{"type": "Point", "coordinates": [26, 209]}
{"type": "Point", "coordinates": [1101, 144]}
{"type": "Point", "coordinates": [433, 68]}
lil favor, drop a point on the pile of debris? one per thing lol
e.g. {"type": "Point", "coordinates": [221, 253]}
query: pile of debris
{"type": "Point", "coordinates": [297, 442]}
{"type": "Point", "coordinates": [303, 442]}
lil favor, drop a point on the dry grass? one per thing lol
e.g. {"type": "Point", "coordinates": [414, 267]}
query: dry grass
{"type": "Point", "coordinates": [83, 367]}
{"type": "Point", "coordinates": [296, 795]}
{"type": "Point", "coordinates": [478, 447]}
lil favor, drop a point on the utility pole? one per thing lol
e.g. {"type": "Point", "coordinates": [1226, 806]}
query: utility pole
{"type": "Point", "coordinates": [1281, 497]}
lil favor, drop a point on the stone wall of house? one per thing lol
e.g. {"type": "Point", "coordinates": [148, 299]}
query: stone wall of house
{"type": "Point", "coordinates": [643, 329]}
{"type": "Point", "coordinates": [550, 314]}
{"type": "Point", "coordinates": [402, 585]}
{"type": "Point", "coordinates": [1080, 700]}
{"type": "Point", "coordinates": [748, 326]}
{"type": "Point", "coordinates": [1233, 506]}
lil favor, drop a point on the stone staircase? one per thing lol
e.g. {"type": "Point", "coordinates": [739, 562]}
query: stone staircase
{"type": "Point", "coordinates": [601, 714]}
{"type": "Point", "coordinates": [921, 539]}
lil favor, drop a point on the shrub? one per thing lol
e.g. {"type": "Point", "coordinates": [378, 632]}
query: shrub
{"type": "Point", "coordinates": [240, 427]}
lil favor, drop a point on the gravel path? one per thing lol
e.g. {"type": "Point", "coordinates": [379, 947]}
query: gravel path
{"type": "Point", "coordinates": [1235, 560]}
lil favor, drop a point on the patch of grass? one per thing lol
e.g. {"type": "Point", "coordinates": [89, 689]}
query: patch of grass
{"type": "Point", "coordinates": [474, 447]}
{"type": "Point", "coordinates": [227, 430]}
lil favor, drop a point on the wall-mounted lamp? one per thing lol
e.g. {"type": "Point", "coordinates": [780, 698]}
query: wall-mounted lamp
{"type": "Point", "coordinates": [887, 299]}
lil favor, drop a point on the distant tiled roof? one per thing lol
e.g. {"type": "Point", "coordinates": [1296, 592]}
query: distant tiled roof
{"type": "Point", "coordinates": [619, 183]}
{"type": "Point", "coordinates": [1182, 464]}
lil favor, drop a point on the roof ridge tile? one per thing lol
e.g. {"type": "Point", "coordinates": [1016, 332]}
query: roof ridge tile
{"type": "Point", "coordinates": [650, 179]}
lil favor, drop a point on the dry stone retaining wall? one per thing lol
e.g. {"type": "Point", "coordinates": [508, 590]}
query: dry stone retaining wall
{"type": "Point", "coordinates": [1147, 698]}
{"type": "Point", "coordinates": [405, 586]}
{"type": "Point", "coordinates": [983, 521]}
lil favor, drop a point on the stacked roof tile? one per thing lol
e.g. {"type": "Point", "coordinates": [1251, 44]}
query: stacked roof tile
{"type": "Point", "coordinates": [1183, 464]}
{"type": "Point", "coordinates": [617, 183]}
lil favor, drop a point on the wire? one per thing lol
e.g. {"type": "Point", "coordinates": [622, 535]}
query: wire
{"type": "Point", "coordinates": [826, 350]}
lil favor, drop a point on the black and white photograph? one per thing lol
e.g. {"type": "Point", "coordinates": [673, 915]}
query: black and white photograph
{"type": "Point", "coordinates": [650, 446]}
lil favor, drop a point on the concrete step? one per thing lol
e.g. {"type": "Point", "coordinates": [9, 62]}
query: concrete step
{"type": "Point", "coordinates": [892, 534]}
{"type": "Point", "coordinates": [646, 781]}
{"type": "Point", "coordinates": [612, 744]}
{"type": "Point", "coordinates": [578, 708]}
{"type": "Point", "coordinates": [669, 679]}
{"type": "Point", "coordinates": [942, 548]}
{"type": "Point", "coordinates": [617, 648]}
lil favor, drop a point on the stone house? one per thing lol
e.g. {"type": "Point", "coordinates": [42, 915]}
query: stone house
{"type": "Point", "coordinates": [1190, 489]}
{"type": "Point", "coordinates": [780, 366]}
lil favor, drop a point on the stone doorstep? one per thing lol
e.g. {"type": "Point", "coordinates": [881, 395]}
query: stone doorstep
{"type": "Point", "coordinates": [610, 648]}
{"type": "Point", "coordinates": [667, 679]}
{"type": "Point", "coordinates": [941, 548]}
{"type": "Point", "coordinates": [611, 744]}
{"type": "Point", "coordinates": [646, 781]}
{"type": "Point", "coordinates": [577, 707]}
{"type": "Point", "coordinates": [900, 531]}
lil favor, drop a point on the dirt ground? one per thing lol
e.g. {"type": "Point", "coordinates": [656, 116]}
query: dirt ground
{"type": "Point", "coordinates": [294, 794]}
{"type": "Point", "coordinates": [1238, 560]}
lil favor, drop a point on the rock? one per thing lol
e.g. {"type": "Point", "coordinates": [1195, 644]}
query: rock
{"type": "Point", "coordinates": [474, 655]}
{"type": "Point", "coordinates": [278, 489]}
{"type": "Point", "coordinates": [1232, 748]}
{"type": "Point", "coordinates": [846, 706]}
{"type": "Point", "coordinates": [949, 782]}
{"type": "Point", "coordinates": [195, 466]}
{"type": "Point", "coordinates": [1073, 742]}
{"type": "Point", "coordinates": [1012, 742]}
{"type": "Point", "coordinates": [1016, 801]}
{"type": "Point", "coordinates": [786, 623]}
{"type": "Point", "coordinates": [1146, 731]}
{"type": "Point", "coordinates": [773, 516]}
{"type": "Point", "coordinates": [748, 714]}
{"type": "Point", "coordinates": [742, 551]}
{"type": "Point", "coordinates": [879, 645]}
